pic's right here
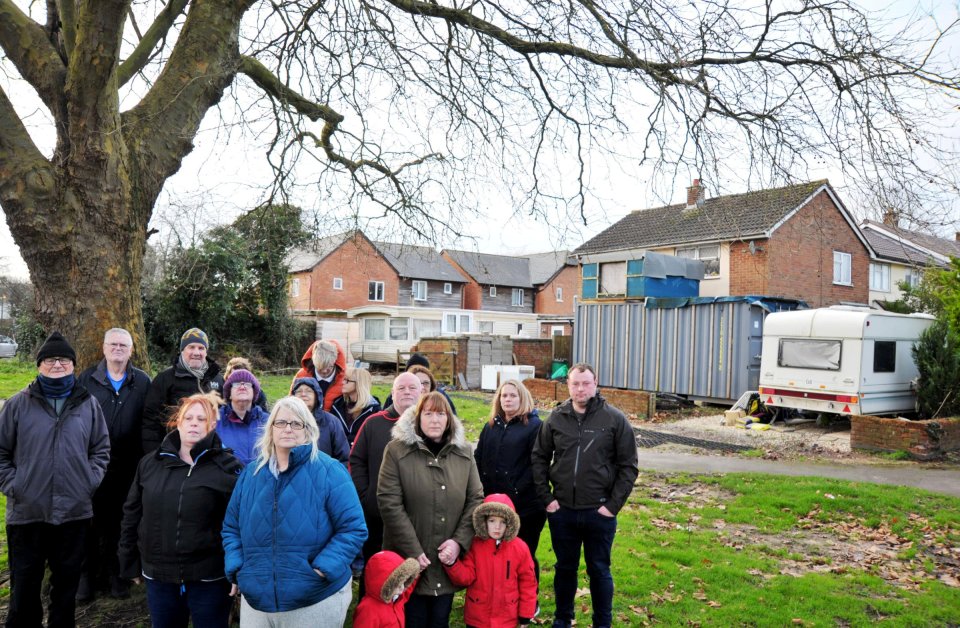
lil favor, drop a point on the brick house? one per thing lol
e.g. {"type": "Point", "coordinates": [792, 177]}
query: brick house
{"type": "Point", "coordinates": [901, 256]}
{"type": "Point", "coordinates": [797, 242]}
{"type": "Point", "coordinates": [341, 272]}
{"type": "Point", "coordinates": [544, 284]}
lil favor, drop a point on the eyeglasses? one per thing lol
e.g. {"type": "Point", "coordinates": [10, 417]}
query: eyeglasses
{"type": "Point", "coordinates": [52, 361]}
{"type": "Point", "coordinates": [239, 385]}
{"type": "Point", "coordinates": [349, 381]}
{"type": "Point", "coordinates": [117, 345]}
{"type": "Point", "coordinates": [294, 425]}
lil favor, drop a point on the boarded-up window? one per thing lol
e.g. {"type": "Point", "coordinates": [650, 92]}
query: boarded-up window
{"type": "Point", "coordinates": [613, 278]}
{"type": "Point", "coordinates": [823, 355]}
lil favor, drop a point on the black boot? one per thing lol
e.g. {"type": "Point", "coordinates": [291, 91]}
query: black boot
{"type": "Point", "coordinates": [119, 588]}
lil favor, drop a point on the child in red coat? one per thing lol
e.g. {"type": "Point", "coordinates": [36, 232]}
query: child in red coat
{"type": "Point", "coordinates": [389, 581]}
{"type": "Point", "coordinates": [498, 569]}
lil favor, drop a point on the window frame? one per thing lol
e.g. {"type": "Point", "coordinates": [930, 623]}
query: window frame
{"type": "Point", "coordinates": [447, 288]}
{"type": "Point", "coordinates": [384, 329]}
{"type": "Point", "coordinates": [558, 294]}
{"type": "Point", "coordinates": [413, 289]}
{"type": "Point", "coordinates": [513, 297]}
{"type": "Point", "coordinates": [376, 287]}
{"type": "Point", "coordinates": [295, 287]}
{"type": "Point", "coordinates": [839, 257]}
{"type": "Point", "coordinates": [696, 252]}
{"type": "Point", "coordinates": [338, 283]}
{"type": "Point", "coordinates": [493, 292]}
{"type": "Point", "coordinates": [884, 276]}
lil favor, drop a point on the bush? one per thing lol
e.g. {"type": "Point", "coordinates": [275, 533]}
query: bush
{"type": "Point", "coordinates": [935, 355]}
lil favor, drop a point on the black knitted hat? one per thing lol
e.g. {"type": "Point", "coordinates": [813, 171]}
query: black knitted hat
{"type": "Point", "coordinates": [56, 346]}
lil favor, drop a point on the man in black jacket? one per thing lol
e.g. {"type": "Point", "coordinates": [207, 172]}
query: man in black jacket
{"type": "Point", "coordinates": [584, 467]}
{"type": "Point", "coordinates": [121, 390]}
{"type": "Point", "coordinates": [192, 372]}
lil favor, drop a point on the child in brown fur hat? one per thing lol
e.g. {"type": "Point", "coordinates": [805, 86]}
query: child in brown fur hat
{"type": "Point", "coordinates": [498, 569]}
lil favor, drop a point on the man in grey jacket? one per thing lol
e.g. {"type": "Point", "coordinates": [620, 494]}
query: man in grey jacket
{"type": "Point", "coordinates": [54, 450]}
{"type": "Point", "coordinates": [584, 466]}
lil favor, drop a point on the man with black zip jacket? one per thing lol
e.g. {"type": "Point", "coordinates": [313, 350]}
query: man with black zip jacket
{"type": "Point", "coordinates": [584, 466]}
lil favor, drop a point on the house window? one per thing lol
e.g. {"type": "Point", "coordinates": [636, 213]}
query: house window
{"type": "Point", "coordinates": [516, 299]}
{"type": "Point", "coordinates": [613, 278]}
{"type": "Point", "coordinates": [448, 288]}
{"type": "Point", "coordinates": [338, 283]}
{"type": "Point", "coordinates": [456, 323]}
{"type": "Point", "coordinates": [841, 268]}
{"type": "Point", "coordinates": [913, 277]}
{"type": "Point", "coordinates": [295, 288]}
{"type": "Point", "coordinates": [423, 328]}
{"type": "Point", "coordinates": [885, 356]}
{"type": "Point", "coordinates": [375, 291]}
{"type": "Point", "coordinates": [880, 277]}
{"type": "Point", "coordinates": [559, 293]}
{"type": "Point", "coordinates": [556, 330]}
{"type": "Point", "coordinates": [399, 329]}
{"type": "Point", "coordinates": [588, 276]}
{"type": "Point", "coordinates": [419, 290]}
{"type": "Point", "coordinates": [493, 291]}
{"type": "Point", "coordinates": [374, 329]}
{"type": "Point", "coordinates": [709, 255]}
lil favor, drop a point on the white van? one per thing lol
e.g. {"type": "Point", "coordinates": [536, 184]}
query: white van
{"type": "Point", "coordinates": [840, 360]}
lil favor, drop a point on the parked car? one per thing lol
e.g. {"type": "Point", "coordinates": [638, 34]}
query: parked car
{"type": "Point", "coordinates": [8, 347]}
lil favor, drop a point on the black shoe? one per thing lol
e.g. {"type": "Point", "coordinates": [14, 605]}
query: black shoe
{"type": "Point", "coordinates": [85, 590]}
{"type": "Point", "coordinates": [119, 588]}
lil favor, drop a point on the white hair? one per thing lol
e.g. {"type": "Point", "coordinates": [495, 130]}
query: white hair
{"type": "Point", "coordinates": [117, 330]}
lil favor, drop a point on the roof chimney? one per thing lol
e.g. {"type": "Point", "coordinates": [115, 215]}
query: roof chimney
{"type": "Point", "coordinates": [891, 218]}
{"type": "Point", "coordinates": [695, 194]}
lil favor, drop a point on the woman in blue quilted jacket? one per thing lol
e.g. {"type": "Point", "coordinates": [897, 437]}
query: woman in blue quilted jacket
{"type": "Point", "coordinates": [292, 528]}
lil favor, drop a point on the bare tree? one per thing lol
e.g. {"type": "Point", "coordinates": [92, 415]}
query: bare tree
{"type": "Point", "coordinates": [405, 101]}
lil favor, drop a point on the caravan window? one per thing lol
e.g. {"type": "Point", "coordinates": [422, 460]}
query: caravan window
{"type": "Point", "coordinates": [823, 355]}
{"type": "Point", "coordinates": [885, 356]}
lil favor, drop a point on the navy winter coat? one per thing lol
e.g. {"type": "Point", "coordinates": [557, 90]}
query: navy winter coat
{"type": "Point", "coordinates": [351, 426]}
{"type": "Point", "coordinates": [278, 529]}
{"type": "Point", "coordinates": [332, 440]}
{"type": "Point", "coordinates": [166, 391]}
{"type": "Point", "coordinates": [503, 460]}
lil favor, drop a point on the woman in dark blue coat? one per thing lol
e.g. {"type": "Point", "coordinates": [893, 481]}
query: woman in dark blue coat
{"type": "Point", "coordinates": [330, 439]}
{"type": "Point", "coordinates": [503, 458]}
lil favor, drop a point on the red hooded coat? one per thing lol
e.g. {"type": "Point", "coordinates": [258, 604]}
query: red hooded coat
{"type": "Point", "coordinates": [335, 389]}
{"type": "Point", "coordinates": [500, 580]}
{"type": "Point", "coordinates": [384, 572]}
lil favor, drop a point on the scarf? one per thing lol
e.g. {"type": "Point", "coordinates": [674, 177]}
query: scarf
{"type": "Point", "coordinates": [56, 387]}
{"type": "Point", "coordinates": [198, 373]}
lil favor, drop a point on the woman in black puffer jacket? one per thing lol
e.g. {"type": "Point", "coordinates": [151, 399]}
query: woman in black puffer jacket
{"type": "Point", "coordinates": [503, 458]}
{"type": "Point", "coordinates": [172, 519]}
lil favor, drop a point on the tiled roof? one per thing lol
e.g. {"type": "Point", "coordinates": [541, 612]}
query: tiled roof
{"type": "Point", "coordinates": [913, 239]}
{"type": "Point", "coordinates": [418, 262]}
{"type": "Point", "coordinates": [496, 270]}
{"type": "Point", "coordinates": [304, 258]}
{"type": "Point", "coordinates": [730, 217]}
{"type": "Point", "coordinates": [893, 249]}
{"type": "Point", "coordinates": [543, 266]}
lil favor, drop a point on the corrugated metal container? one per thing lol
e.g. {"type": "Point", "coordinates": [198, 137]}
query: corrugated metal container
{"type": "Point", "coordinates": [703, 348]}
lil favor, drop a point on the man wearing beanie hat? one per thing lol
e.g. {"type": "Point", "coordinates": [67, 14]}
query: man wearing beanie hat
{"type": "Point", "coordinates": [241, 421]}
{"type": "Point", "coordinates": [192, 372]}
{"type": "Point", "coordinates": [53, 439]}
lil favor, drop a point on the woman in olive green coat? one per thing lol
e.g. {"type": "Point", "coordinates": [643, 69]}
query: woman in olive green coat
{"type": "Point", "coordinates": [427, 491]}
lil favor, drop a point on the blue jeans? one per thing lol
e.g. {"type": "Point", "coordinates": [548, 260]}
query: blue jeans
{"type": "Point", "coordinates": [429, 611]}
{"type": "Point", "coordinates": [206, 603]}
{"type": "Point", "coordinates": [569, 529]}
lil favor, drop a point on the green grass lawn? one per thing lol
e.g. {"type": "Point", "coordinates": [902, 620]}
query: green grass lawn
{"type": "Point", "coordinates": [743, 549]}
{"type": "Point", "coordinates": [14, 375]}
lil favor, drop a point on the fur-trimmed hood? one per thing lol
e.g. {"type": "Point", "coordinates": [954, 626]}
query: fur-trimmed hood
{"type": "Point", "coordinates": [405, 430]}
{"type": "Point", "coordinates": [387, 570]}
{"type": "Point", "coordinates": [499, 505]}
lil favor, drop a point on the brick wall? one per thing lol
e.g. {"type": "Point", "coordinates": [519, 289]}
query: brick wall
{"type": "Point", "coordinates": [546, 329]}
{"type": "Point", "coordinates": [800, 254]}
{"type": "Point", "coordinates": [748, 271]}
{"type": "Point", "coordinates": [633, 402]}
{"type": "Point", "coordinates": [472, 298]}
{"type": "Point", "coordinates": [302, 300]}
{"type": "Point", "coordinates": [923, 440]}
{"type": "Point", "coordinates": [537, 352]}
{"type": "Point", "coordinates": [545, 301]}
{"type": "Point", "coordinates": [356, 262]}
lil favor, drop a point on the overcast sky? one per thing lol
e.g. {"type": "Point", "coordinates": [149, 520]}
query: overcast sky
{"type": "Point", "coordinates": [226, 174]}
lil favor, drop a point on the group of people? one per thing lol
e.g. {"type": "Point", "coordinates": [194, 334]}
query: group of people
{"type": "Point", "coordinates": [189, 484]}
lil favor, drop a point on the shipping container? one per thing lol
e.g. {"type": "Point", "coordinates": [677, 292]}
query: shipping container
{"type": "Point", "coordinates": [701, 348]}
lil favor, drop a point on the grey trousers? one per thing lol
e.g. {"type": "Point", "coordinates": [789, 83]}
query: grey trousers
{"type": "Point", "coordinates": [328, 613]}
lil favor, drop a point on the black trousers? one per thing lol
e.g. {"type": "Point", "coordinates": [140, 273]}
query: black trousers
{"type": "Point", "coordinates": [100, 560]}
{"type": "Point", "coordinates": [371, 546]}
{"type": "Point", "coordinates": [32, 547]}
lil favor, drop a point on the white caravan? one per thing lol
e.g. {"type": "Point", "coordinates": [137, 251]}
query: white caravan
{"type": "Point", "coordinates": [840, 360]}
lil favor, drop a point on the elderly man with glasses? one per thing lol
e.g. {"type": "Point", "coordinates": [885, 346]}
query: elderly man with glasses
{"type": "Point", "coordinates": [54, 450]}
{"type": "Point", "coordinates": [121, 390]}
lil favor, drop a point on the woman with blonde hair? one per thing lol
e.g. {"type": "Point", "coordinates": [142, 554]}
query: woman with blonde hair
{"type": "Point", "coordinates": [356, 403]}
{"type": "Point", "coordinates": [172, 519]}
{"type": "Point", "coordinates": [292, 528]}
{"type": "Point", "coordinates": [503, 458]}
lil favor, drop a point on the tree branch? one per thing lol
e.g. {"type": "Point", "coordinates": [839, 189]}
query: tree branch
{"type": "Point", "coordinates": [268, 82]}
{"type": "Point", "coordinates": [25, 174]}
{"type": "Point", "coordinates": [67, 10]}
{"type": "Point", "coordinates": [157, 31]}
{"type": "Point", "coordinates": [26, 44]}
